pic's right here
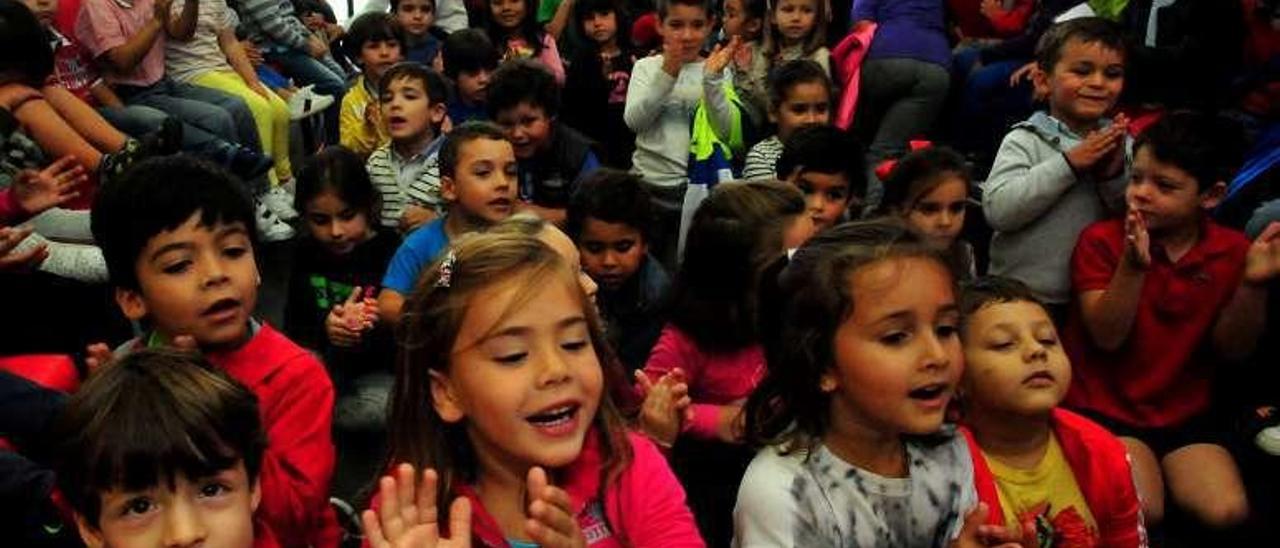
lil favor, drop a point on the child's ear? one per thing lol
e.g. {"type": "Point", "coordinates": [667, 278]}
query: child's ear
{"type": "Point", "coordinates": [1040, 81]}
{"type": "Point", "coordinates": [448, 190]}
{"type": "Point", "coordinates": [255, 493]}
{"type": "Point", "coordinates": [1213, 195]}
{"type": "Point", "coordinates": [131, 303]}
{"type": "Point", "coordinates": [91, 536]}
{"type": "Point", "coordinates": [445, 399]}
{"type": "Point", "coordinates": [827, 381]}
{"type": "Point", "coordinates": [437, 112]}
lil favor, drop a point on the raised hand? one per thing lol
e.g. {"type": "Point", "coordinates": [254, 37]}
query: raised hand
{"type": "Point", "coordinates": [99, 355]}
{"type": "Point", "coordinates": [666, 406]}
{"type": "Point", "coordinates": [1094, 147]}
{"type": "Point", "coordinates": [676, 55]}
{"type": "Point", "coordinates": [407, 516]}
{"type": "Point", "coordinates": [975, 534]}
{"type": "Point", "coordinates": [1137, 241]}
{"type": "Point", "coordinates": [1262, 263]}
{"type": "Point", "coordinates": [1112, 164]}
{"type": "Point", "coordinates": [35, 191]}
{"type": "Point", "coordinates": [721, 56]}
{"type": "Point", "coordinates": [9, 261]}
{"type": "Point", "coordinates": [551, 522]}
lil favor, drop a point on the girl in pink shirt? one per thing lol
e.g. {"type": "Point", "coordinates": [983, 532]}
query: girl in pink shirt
{"type": "Point", "coordinates": [503, 397]}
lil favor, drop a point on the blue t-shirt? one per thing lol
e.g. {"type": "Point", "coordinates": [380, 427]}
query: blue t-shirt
{"type": "Point", "coordinates": [419, 248]}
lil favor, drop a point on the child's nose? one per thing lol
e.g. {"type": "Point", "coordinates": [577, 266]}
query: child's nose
{"type": "Point", "coordinates": [183, 526]}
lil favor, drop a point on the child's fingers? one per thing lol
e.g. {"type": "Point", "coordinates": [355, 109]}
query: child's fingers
{"type": "Point", "coordinates": [426, 497]}
{"type": "Point", "coordinates": [354, 298]}
{"type": "Point", "coordinates": [405, 485]}
{"type": "Point", "coordinates": [62, 164]}
{"type": "Point", "coordinates": [185, 342]}
{"type": "Point", "coordinates": [373, 530]}
{"type": "Point", "coordinates": [643, 383]}
{"type": "Point", "coordinates": [1270, 233]}
{"type": "Point", "coordinates": [460, 522]}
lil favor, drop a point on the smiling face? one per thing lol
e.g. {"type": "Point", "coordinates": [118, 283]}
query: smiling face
{"type": "Point", "coordinates": [416, 16]}
{"type": "Point", "coordinates": [1014, 362]}
{"type": "Point", "coordinates": [795, 19]}
{"type": "Point", "coordinates": [483, 185]}
{"type": "Point", "coordinates": [528, 127]}
{"type": "Point", "coordinates": [508, 14]}
{"type": "Point", "coordinates": [898, 355]}
{"type": "Point", "coordinates": [376, 56]}
{"type": "Point", "coordinates": [196, 280]}
{"type": "Point", "coordinates": [524, 377]}
{"type": "Point", "coordinates": [938, 214]}
{"type": "Point", "coordinates": [335, 224]}
{"type": "Point", "coordinates": [210, 512]}
{"type": "Point", "coordinates": [408, 112]}
{"type": "Point", "coordinates": [1084, 84]}
{"type": "Point", "coordinates": [1168, 197]}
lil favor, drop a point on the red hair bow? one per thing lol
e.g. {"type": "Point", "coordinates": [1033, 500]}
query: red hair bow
{"type": "Point", "coordinates": [884, 168]}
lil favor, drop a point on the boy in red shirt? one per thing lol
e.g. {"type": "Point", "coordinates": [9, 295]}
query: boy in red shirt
{"type": "Point", "coordinates": [1163, 296]}
{"type": "Point", "coordinates": [178, 240]}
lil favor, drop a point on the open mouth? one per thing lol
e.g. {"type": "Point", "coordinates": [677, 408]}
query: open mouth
{"type": "Point", "coordinates": [501, 203]}
{"type": "Point", "coordinates": [221, 310]}
{"type": "Point", "coordinates": [931, 394]}
{"type": "Point", "coordinates": [558, 420]}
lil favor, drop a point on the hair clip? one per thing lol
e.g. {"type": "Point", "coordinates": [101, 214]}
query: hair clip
{"type": "Point", "coordinates": [446, 269]}
{"type": "Point", "coordinates": [885, 168]}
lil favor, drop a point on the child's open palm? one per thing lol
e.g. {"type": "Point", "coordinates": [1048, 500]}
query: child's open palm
{"type": "Point", "coordinates": [407, 514]}
{"type": "Point", "coordinates": [721, 56]}
{"type": "Point", "coordinates": [1137, 241]}
{"type": "Point", "coordinates": [1094, 147]}
{"type": "Point", "coordinates": [1262, 264]}
{"type": "Point", "coordinates": [551, 522]}
{"type": "Point", "coordinates": [35, 191]}
{"type": "Point", "coordinates": [666, 403]}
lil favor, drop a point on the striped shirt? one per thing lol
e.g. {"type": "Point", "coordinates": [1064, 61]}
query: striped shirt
{"type": "Point", "coordinates": [406, 181]}
{"type": "Point", "coordinates": [762, 159]}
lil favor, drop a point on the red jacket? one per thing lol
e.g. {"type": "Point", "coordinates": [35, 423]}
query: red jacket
{"type": "Point", "coordinates": [295, 399]}
{"type": "Point", "coordinates": [1100, 463]}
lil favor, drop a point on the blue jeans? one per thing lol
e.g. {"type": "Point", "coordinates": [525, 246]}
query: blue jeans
{"type": "Point", "coordinates": [139, 120]}
{"type": "Point", "coordinates": [216, 112]}
{"type": "Point", "coordinates": [327, 78]}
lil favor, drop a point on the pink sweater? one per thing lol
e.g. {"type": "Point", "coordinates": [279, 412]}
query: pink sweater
{"type": "Point", "coordinates": [714, 379]}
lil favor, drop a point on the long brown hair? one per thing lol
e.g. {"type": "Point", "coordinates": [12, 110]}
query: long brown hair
{"type": "Point", "coordinates": [432, 319]}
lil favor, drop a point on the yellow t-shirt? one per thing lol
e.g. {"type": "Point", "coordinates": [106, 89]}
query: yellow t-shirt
{"type": "Point", "coordinates": [1049, 495]}
{"type": "Point", "coordinates": [360, 126]}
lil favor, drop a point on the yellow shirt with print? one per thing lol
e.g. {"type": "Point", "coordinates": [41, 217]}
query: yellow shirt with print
{"type": "Point", "coordinates": [360, 126]}
{"type": "Point", "coordinates": [1048, 495]}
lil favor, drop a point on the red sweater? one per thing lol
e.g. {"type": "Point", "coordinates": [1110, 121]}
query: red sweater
{"type": "Point", "coordinates": [295, 399]}
{"type": "Point", "coordinates": [1100, 463]}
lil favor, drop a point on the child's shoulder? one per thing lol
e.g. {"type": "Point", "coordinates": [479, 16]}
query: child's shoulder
{"type": "Point", "coordinates": [270, 356]}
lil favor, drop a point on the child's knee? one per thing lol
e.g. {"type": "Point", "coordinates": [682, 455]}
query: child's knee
{"type": "Point", "coordinates": [1223, 509]}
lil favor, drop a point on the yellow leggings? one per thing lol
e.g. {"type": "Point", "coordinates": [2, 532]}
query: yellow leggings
{"type": "Point", "coordinates": [271, 114]}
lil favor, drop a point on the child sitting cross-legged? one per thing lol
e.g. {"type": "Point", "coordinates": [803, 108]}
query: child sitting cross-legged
{"type": "Point", "coordinates": [406, 171]}
{"type": "Point", "coordinates": [179, 245]}
{"type": "Point", "coordinates": [1045, 472]}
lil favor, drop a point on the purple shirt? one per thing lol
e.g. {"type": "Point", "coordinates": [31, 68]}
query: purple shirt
{"type": "Point", "coordinates": [911, 29]}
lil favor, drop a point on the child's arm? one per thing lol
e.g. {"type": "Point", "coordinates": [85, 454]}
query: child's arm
{"type": "Point", "coordinates": [550, 57]}
{"type": "Point", "coordinates": [105, 96]}
{"type": "Point", "coordinates": [1108, 314]}
{"type": "Point", "coordinates": [239, 61]}
{"type": "Point", "coordinates": [1022, 187]}
{"type": "Point", "coordinates": [674, 351]}
{"type": "Point", "coordinates": [647, 93]}
{"type": "Point", "coordinates": [1236, 332]}
{"type": "Point", "coordinates": [120, 52]}
{"type": "Point", "coordinates": [561, 19]}
{"type": "Point", "coordinates": [280, 27]}
{"type": "Point", "coordinates": [183, 26]}
{"type": "Point", "coordinates": [652, 502]}
{"type": "Point", "coordinates": [722, 113]}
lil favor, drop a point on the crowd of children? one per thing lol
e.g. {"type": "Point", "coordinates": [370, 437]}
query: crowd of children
{"type": "Point", "coordinates": [569, 273]}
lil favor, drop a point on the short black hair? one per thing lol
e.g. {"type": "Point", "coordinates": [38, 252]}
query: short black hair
{"type": "Point", "coordinates": [468, 50]}
{"type": "Point", "coordinates": [825, 149]}
{"type": "Point", "coordinates": [371, 27]}
{"type": "Point", "coordinates": [20, 31]}
{"type": "Point", "coordinates": [432, 83]}
{"type": "Point", "coordinates": [395, 5]}
{"type": "Point", "coordinates": [469, 131]}
{"type": "Point", "coordinates": [153, 415]}
{"type": "Point", "coordinates": [586, 8]}
{"type": "Point", "coordinates": [1088, 30]}
{"type": "Point", "coordinates": [1208, 147]}
{"type": "Point", "coordinates": [522, 81]}
{"type": "Point", "coordinates": [612, 196]}
{"type": "Point", "coordinates": [664, 7]}
{"type": "Point", "coordinates": [158, 195]}
{"type": "Point", "coordinates": [987, 290]}
{"type": "Point", "coordinates": [792, 73]}
{"type": "Point", "coordinates": [339, 170]}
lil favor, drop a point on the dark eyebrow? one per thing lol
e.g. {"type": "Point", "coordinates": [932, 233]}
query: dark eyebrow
{"type": "Point", "coordinates": [517, 331]}
{"type": "Point", "coordinates": [175, 246]}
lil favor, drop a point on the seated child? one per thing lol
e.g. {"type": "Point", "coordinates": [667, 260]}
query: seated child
{"type": "Point", "coordinates": [513, 28]}
{"type": "Point", "coordinates": [163, 449]}
{"type": "Point", "coordinates": [850, 411]}
{"type": "Point", "coordinates": [929, 190]}
{"type": "Point", "coordinates": [597, 79]}
{"type": "Point", "coordinates": [337, 271]}
{"type": "Point", "coordinates": [405, 172]}
{"type": "Point", "coordinates": [1044, 471]}
{"type": "Point", "coordinates": [415, 18]}
{"type": "Point", "coordinates": [374, 42]}
{"type": "Point", "coordinates": [509, 412]}
{"type": "Point", "coordinates": [818, 161]}
{"type": "Point", "coordinates": [469, 60]}
{"type": "Point", "coordinates": [1166, 298]}
{"type": "Point", "coordinates": [524, 100]}
{"type": "Point", "coordinates": [1059, 171]}
{"type": "Point", "coordinates": [478, 182]}
{"type": "Point", "coordinates": [799, 95]}
{"type": "Point", "coordinates": [179, 247]}
{"type": "Point", "coordinates": [608, 217]}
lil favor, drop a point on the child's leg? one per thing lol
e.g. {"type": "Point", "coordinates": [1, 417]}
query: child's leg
{"type": "Point", "coordinates": [1146, 477]}
{"type": "Point", "coordinates": [233, 104]}
{"type": "Point", "coordinates": [266, 114]}
{"type": "Point", "coordinates": [1204, 480]}
{"type": "Point", "coordinates": [84, 119]}
{"type": "Point", "coordinates": [46, 127]}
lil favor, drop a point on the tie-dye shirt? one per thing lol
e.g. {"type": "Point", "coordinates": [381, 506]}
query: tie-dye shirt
{"type": "Point", "coordinates": [816, 499]}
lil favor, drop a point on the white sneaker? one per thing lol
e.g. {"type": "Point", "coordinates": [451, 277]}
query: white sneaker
{"type": "Point", "coordinates": [280, 202]}
{"type": "Point", "coordinates": [270, 227]}
{"type": "Point", "coordinates": [305, 102]}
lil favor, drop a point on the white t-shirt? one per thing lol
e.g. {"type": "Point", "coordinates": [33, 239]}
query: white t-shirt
{"type": "Point", "coordinates": [185, 60]}
{"type": "Point", "coordinates": [814, 498]}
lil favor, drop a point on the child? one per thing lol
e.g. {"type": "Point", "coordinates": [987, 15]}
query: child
{"type": "Point", "coordinates": [929, 190]}
{"type": "Point", "coordinates": [609, 218]}
{"type": "Point", "coordinates": [415, 18]}
{"type": "Point", "coordinates": [514, 29]}
{"type": "Point", "coordinates": [405, 170]}
{"type": "Point", "coordinates": [799, 94]}
{"type": "Point", "coordinates": [505, 400]}
{"type": "Point", "coordinates": [163, 449]}
{"type": "Point", "coordinates": [525, 100]}
{"type": "Point", "coordinates": [1165, 295]}
{"type": "Point", "coordinates": [374, 41]}
{"type": "Point", "coordinates": [745, 19]}
{"type": "Point", "coordinates": [822, 161]}
{"type": "Point", "coordinates": [469, 60]}
{"type": "Point", "coordinates": [597, 79]}
{"type": "Point", "coordinates": [712, 342]}
{"type": "Point", "coordinates": [478, 173]}
{"type": "Point", "coordinates": [851, 407]}
{"type": "Point", "coordinates": [797, 29]}
{"type": "Point", "coordinates": [177, 240]}
{"type": "Point", "coordinates": [336, 272]}
{"type": "Point", "coordinates": [1059, 171]}
{"type": "Point", "coordinates": [664, 94]}
{"type": "Point", "coordinates": [1034, 463]}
